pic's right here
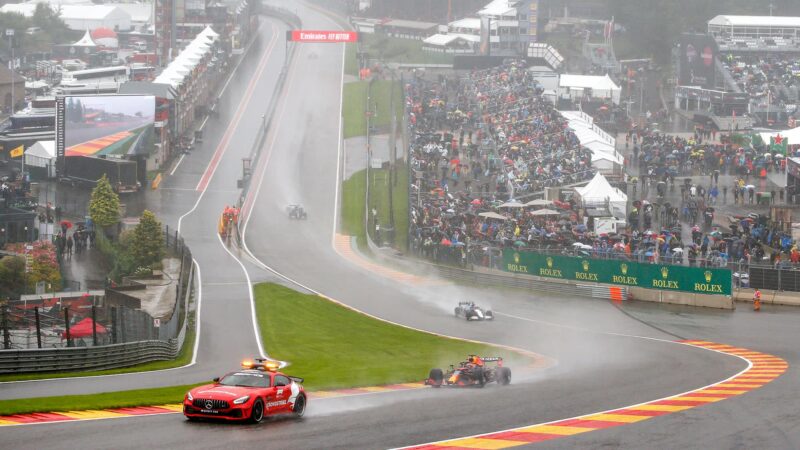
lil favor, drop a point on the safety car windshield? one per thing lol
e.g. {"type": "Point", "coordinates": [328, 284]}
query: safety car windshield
{"type": "Point", "coordinates": [245, 380]}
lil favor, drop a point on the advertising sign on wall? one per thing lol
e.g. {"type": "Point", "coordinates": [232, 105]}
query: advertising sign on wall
{"type": "Point", "coordinates": [698, 280]}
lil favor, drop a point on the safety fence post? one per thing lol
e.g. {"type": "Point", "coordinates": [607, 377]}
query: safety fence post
{"type": "Point", "coordinates": [6, 334]}
{"type": "Point", "coordinates": [66, 327]}
{"type": "Point", "coordinates": [38, 327]}
{"type": "Point", "coordinates": [113, 325]}
{"type": "Point", "coordinates": [94, 325]}
{"type": "Point", "coordinates": [122, 326]}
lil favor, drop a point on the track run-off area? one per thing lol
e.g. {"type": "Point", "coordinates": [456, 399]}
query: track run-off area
{"type": "Point", "coordinates": [675, 377]}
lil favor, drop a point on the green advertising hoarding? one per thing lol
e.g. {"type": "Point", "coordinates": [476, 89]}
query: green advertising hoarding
{"type": "Point", "coordinates": [696, 280]}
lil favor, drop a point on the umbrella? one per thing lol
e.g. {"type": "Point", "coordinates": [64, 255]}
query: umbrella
{"type": "Point", "coordinates": [445, 242]}
{"type": "Point", "coordinates": [66, 223]}
{"type": "Point", "coordinates": [513, 204]}
{"type": "Point", "coordinates": [577, 244]}
{"type": "Point", "coordinates": [586, 247]}
{"type": "Point", "coordinates": [677, 250]}
{"type": "Point", "coordinates": [749, 186]}
{"type": "Point", "coordinates": [779, 156]}
{"type": "Point", "coordinates": [492, 215]}
{"type": "Point", "coordinates": [519, 243]}
{"type": "Point", "coordinates": [477, 201]}
{"type": "Point", "coordinates": [539, 202]}
{"type": "Point", "coordinates": [545, 212]}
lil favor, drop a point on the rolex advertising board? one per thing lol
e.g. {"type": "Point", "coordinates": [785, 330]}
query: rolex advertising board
{"type": "Point", "coordinates": [698, 280]}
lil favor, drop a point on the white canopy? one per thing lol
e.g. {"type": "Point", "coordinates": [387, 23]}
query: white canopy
{"type": "Point", "coordinates": [545, 212]}
{"type": "Point", "coordinates": [86, 41]}
{"type": "Point", "coordinates": [512, 204]}
{"type": "Point", "coordinates": [539, 202]}
{"type": "Point", "coordinates": [601, 86]}
{"type": "Point", "coordinates": [493, 215]}
{"type": "Point", "coordinates": [186, 61]}
{"type": "Point", "coordinates": [599, 192]}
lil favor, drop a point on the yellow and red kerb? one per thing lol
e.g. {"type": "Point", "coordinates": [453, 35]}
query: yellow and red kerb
{"type": "Point", "coordinates": [116, 413]}
{"type": "Point", "coordinates": [94, 146]}
{"type": "Point", "coordinates": [764, 369]}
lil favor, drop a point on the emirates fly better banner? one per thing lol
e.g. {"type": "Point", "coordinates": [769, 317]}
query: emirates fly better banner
{"type": "Point", "coordinates": [322, 36]}
{"type": "Point", "coordinates": [697, 280]}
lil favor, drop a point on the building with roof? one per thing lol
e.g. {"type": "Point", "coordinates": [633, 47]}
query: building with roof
{"type": "Point", "coordinates": [755, 33]}
{"type": "Point", "coordinates": [510, 26]}
{"type": "Point", "coordinates": [141, 14]}
{"type": "Point", "coordinates": [736, 27]}
{"type": "Point", "coordinates": [451, 43]}
{"type": "Point", "coordinates": [407, 29]}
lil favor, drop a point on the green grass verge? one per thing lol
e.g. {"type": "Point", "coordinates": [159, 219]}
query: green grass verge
{"type": "Point", "coordinates": [350, 60]}
{"type": "Point", "coordinates": [334, 347]}
{"type": "Point", "coordinates": [353, 191]}
{"type": "Point", "coordinates": [106, 400]}
{"type": "Point", "coordinates": [184, 357]}
{"type": "Point", "coordinates": [353, 107]}
{"type": "Point", "coordinates": [355, 100]}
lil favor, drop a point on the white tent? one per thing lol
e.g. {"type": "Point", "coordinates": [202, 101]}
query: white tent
{"type": "Point", "coordinates": [605, 162]}
{"type": "Point", "coordinates": [599, 193]}
{"type": "Point", "coordinates": [42, 154]}
{"type": "Point", "coordinates": [575, 86]}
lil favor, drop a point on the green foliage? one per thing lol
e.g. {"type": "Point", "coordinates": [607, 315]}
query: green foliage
{"type": "Point", "coordinates": [43, 270]}
{"type": "Point", "coordinates": [104, 204]}
{"type": "Point", "coordinates": [12, 276]}
{"type": "Point", "coordinates": [53, 30]}
{"type": "Point", "coordinates": [147, 246]}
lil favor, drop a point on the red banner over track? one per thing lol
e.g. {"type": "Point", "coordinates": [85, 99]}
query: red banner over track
{"type": "Point", "coordinates": [321, 36]}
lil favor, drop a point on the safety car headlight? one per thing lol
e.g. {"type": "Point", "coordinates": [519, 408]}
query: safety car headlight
{"type": "Point", "coordinates": [189, 396]}
{"type": "Point", "coordinates": [241, 400]}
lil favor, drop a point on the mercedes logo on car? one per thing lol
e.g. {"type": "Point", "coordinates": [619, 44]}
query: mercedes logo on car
{"type": "Point", "coordinates": [209, 404]}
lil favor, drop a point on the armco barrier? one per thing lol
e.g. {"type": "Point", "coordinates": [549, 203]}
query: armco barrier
{"type": "Point", "coordinates": [86, 358]}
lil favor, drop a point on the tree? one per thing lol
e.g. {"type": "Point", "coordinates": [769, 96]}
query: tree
{"type": "Point", "coordinates": [104, 204]}
{"type": "Point", "coordinates": [12, 276]}
{"type": "Point", "coordinates": [147, 245]}
{"type": "Point", "coordinates": [42, 269]}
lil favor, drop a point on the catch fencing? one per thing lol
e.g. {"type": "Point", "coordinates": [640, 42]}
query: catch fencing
{"type": "Point", "coordinates": [96, 331]}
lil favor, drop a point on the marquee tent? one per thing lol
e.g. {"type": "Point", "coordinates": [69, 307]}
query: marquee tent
{"type": "Point", "coordinates": [599, 193]}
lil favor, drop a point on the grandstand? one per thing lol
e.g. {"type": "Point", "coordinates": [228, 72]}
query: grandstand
{"type": "Point", "coordinates": [756, 33]}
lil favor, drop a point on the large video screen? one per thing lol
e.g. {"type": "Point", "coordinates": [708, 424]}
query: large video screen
{"type": "Point", "coordinates": [117, 125]}
{"type": "Point", "coordinates": [697, 55]}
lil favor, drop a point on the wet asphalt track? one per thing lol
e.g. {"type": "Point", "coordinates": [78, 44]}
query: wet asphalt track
{"type": "Point", "coordinates": [604, 358]}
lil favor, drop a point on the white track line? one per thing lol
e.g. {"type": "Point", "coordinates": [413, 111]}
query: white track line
{"type": "Point", "coordinates": [252, 299]}
{"type": "Point", "coordinates": [180, 160]}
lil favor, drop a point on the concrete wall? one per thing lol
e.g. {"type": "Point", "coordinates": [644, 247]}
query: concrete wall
{"type": "Point", "coordinates": [768, 297]}
{"type": "Point", "coordinates": [681, 298]}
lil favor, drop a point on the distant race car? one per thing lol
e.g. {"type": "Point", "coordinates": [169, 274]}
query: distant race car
{"type": "Point", "coordinates": [472, 372]}
{"type": "Point", "coordinates": [296, 212]}
{"type": "Point", "coordinates": [471, 311]}
{"type": "Point", "coordinates": [250, 394]}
